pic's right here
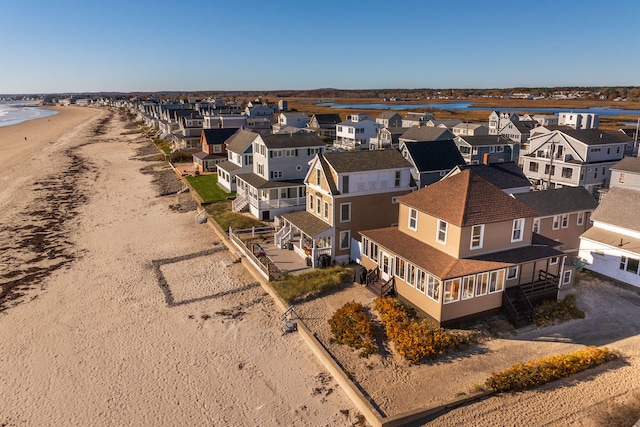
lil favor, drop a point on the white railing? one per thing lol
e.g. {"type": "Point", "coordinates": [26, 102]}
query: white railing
{"type": "Point", "coordinates": [239, 203]}
{"type": "Point", "coordinates": [284, 235]}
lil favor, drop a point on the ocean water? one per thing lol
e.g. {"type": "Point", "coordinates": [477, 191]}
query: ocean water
{"type": "Point", "coordinates": [15, 112]}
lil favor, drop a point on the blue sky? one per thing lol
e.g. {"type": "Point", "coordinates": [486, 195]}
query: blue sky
{"type": "Point", "coordinates": [191, 45]}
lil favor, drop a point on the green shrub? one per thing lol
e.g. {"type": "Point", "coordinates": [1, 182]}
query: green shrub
{"type": "Point", "coordinates": [350, 325]}
{"type": "Point", "coordinates": [532, 374]}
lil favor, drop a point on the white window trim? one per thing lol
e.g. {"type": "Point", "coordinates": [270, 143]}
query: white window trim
{"type": "Point", "coordinates": [517, 270]}
{"type": "Point", "coordinates": [521, 228]}
{"type": "Point", "coordinates": [348, 233]}
{"type": "Point", "coordinates": [563, 223]}
{"type": "Point", "coordinates": [479, 246]}
{"type": "Point", "coordinates": [566, 280]}
{"type": "Point", "coordinates": [580, 219]}
{"type": "Point", "coordinates": [325, 208]}
{"type": "Point", "coordinates": [556, 225]}
{"type": "Point", "coordinates": [446, 231]}
{"type": "Point", "coordinates": [551, 262]}
{"type": "Point", "coordinates": [415, 225]}
{"type": "Point", "coordinates": [349, 217]}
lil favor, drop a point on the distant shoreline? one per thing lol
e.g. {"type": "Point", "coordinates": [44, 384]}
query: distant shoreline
{"type": "Point", "coordinates": [13, 113]}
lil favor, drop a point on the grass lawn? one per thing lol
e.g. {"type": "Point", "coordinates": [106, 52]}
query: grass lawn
{"type": "Point", "coordinates": [207, 187]}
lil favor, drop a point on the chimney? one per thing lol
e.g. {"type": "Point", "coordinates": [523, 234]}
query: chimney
{"type": "Point", "coordinates": [485, 158]}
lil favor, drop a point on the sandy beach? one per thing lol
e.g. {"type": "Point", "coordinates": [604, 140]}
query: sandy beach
{"type": "Point", "coordinates": [86, 334]}
{"type": "Point", "coordinates": [117, 308]}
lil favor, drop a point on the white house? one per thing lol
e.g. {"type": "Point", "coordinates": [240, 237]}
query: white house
{"type": "Point", "coordinates": [612, 246]}
{"type": "Point", "coordinates": [579, 120]}
{"type": "Point", "coordinates": [355, 132]}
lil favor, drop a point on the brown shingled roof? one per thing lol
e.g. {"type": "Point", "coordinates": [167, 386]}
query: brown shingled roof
{"type": "Point", "coordinates": [466, 199]}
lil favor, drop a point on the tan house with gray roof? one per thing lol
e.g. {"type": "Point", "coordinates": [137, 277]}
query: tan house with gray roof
{"type": "Point", "coordinates": [346, 192]}
{"type": "Point", "coordinates": [464, 249]}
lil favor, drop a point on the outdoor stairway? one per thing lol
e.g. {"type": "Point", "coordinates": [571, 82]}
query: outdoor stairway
{"type": "Point", "coordinates": [517, 307]}
{"type": "Point", "coordinates": [378, 286]}
{"type": "Point", "coordinates": [240, 203]}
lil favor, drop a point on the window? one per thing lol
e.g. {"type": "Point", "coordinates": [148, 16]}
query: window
{"type": "Point", "coordinates": [565, 221]}
{"type": "Point", "coordinates": [421, 280]}
{"type": "Point", "coordinates": [413, 219]}
{"type": "Point", "coordinates": [326, 210]}
{"type": "Point", "coordinates": [533, 167]}
{"type": "Point", "coordinates": [345, 184]}
{"type": "Point", "coordinates": [394, 200]}
{"type": "Point", "coordinates": [451, 290]}
{"type": "Point", "coordinates": [318, 205]}
{"type": "Point", "coordinates": [629, 264]}
{"type": "Point", "coordinates": [411, 274]}
{"type": "Point", "coordinates": [566, 277]}
{"type": "Point", "coordinates": [217, 148]}
{"type": "Point", "coordinates": [477, 234]}
{"type": "Point", "coordinates": [580, 218]}
{"type": "Point", "coordinates": [291, 152]}
{"type": "Point", "coordinates": [468, 287]}
{"type": "Point", "coordinates": [318, 176]}
{"type": "Point", "coordinates": [310, 203]}
{"type": "Point", "coordinates": [556, 222]}
{"type": "Point", "coordinates": [345, 239]}
{"type": "Point", "coordinates": [275, 153]}
{"type": "Point", "coordinates": [345, 212]}
{"type": "Point", "coordinates": [567, 173]}
{"type": "Point", "coordinates": [339, 128]}
{"type": "Point", "coordinates": [512, 272]}
{"type": "Point", "coordinates": [400, 266]}
{"type": "Point", "coordinates": [499, 148]}
{"type": "Point", "coordinates": [397, 180]}
{"type": "Point", "coordinates": [554, 260]}
{"type": "Point", "coordinates": [433, 288]}
{"type": "Point", "coordinates": [516, 232]}
{"type": "Point", "coordinates": [482, 286]}
{"type": "Point", "coordinates": [536, 225]}
{"type": "Point", "coordinates": [261, 169]}
{"type": "Point", "coordinates": [548, 168]}
{"type": "Point", "coordinates": [441, 235]}
{"type": "Point", "coordinates": [276, 174]}
{"type": "Point", "coordinates": [496, 281]}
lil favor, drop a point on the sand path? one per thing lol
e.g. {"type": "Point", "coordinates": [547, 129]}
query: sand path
{"type": "Point", "coordinates": [93, 342]}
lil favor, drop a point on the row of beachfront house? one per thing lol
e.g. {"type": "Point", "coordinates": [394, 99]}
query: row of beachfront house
{"type": "Point", "coordinates": [459, 236]}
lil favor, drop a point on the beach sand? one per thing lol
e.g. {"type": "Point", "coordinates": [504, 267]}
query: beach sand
{"type": "Point", "coordinates": [118, 309]}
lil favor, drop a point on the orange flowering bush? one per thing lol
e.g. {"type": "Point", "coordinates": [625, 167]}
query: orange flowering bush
{"type": "Point", "coordinates": [415, 339]}
{"type": "Point", "coordinates": [532, 374]}
{"type": "Point", "coordinates": [350, 325]}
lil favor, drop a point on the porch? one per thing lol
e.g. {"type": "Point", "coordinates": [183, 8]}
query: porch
{"type": "Point", "coordinates": [518, 301]}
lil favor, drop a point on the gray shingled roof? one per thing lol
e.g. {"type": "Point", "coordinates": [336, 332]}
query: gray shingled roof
{"type": "Point", "coordinates": [228, 166]}
{"type": "Point", "coordinates": [293, 140]}
{"type": "Point", "coordinates": [503, 175]}
{"type": "Point", "coordinates": [559, 200]}
{"type": "Point", "coordinates": [596, 136]}
{"type": "Point", "coordinates": [258, 182]}
{"type": "Point", "coordinates": [435, 155]}
{"type": "Point", "coordinates": [426, 133]}
{"type": "Point", "coordinates": [366, 160]}
{"type": "Point", "coordinates": [239, 142]}
{"type": "Point", "coordinates": [628, 164]}
{"type": "Point", "coordinates": [485, 140]}
{"type": "Point", "coordinates": [620, 207]}
{"type": "Point", "coordinates": [307, 222]}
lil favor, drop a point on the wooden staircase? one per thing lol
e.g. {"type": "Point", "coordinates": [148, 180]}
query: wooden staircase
{"type": "Point", "coordinates": [380, 287]}
{"type": "Point", "coordinates": [517, 307]}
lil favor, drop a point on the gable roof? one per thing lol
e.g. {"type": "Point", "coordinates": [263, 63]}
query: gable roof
{"type": "Point", "coordinates": [619, 207]}
{"type": "Point", "coordinates": [218, 136]}
{"type": "Point", "coordinates": [434, 156]}
{"type": "Point", "coordinates": [628, 164]}
{"type": "Point", "coordinates": [426, 133]}
{"type": "Point", "coordinates": [485, 140]}
{"type": "Point", "coordinates": [365, 160]}
{"type": "Point", "coordinates": [559, 200]}
{"type": "Point", "coordinates": [466, 199]}
{"type": "Point", "coordinates": [293, 140]}
{"type": "Point", "coordinates": [388, 115]}
{"type": "Point", "coordinates": [596, 136]}
{"type": "Point", "coordinates": [503, 175]}
{"type": "Point", "coordinates": [327, 119]}
{"type": "Point", "coordinates": [240, 141]}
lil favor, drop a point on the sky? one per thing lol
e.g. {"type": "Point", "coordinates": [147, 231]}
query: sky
{"type": "Point", "coordinates": [66, 46]}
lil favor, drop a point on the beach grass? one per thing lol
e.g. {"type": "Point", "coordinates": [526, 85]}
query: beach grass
{"type": "Point", "coordinates": [304, 286]}
{"type": "Point", "coordinates": [222, 214]}
{"type": "Point", "coordinates": [207, 187]}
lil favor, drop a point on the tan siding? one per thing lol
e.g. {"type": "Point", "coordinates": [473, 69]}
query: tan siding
{"type": "Point", "coordinates": [420, 300]}
{"type": "Point", "coordinates": [570, 236]}
{"type": "Point", "coordinates": [471, 306]}
{"type": "Point", "coordinates": [497, 237]}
